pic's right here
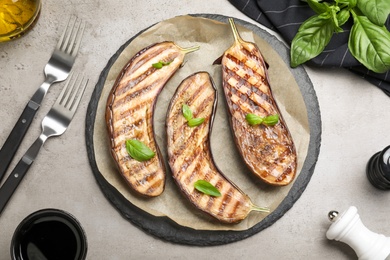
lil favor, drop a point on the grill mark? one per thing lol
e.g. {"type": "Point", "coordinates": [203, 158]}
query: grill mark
{"type": "Point", "coordinates": [210, 203]}
{"type": "Point", "coordinates": [138, 63]}
{"type": "Point", "coordinates": [213, 201]}
{"type": "Point", "coordinates": [234, 209]}
{"type": "Point", "coordinates": [204, 104]}
{"type": "Point", "coordinates": [146, 179]}
{"type": "Point", "coordinates": [148, 55]}
{"type": "Point", "coordinates": [246, 98]}
{"type": "Point", "coordinates": [207, 101]}
{"type": "Point", "coordinates": [158, 49]}
{"type": "Point", "coordinates": [195, 157]}
{"type": "Point", "coordinates": [180, 174]}
{"type": "Point", "coordinates": [156, 186]}
{"type": "Point", "coordinates": [132, 83]}
{"type": "Point", "coordinates": [254, 55]}
{"type": "Point", "coordinates": [134, 133]}
{"type": "Point", "coordinates": [240, 64]}
{"type": "Point", "coordinates": [195, 95]}
{"type": "Point", "coordinates": [201, 177]}
{"type": "Point", "coordinates": [186, 87]}
{"type": "Point", "coordinates": [127, 128]}
{"type": "Point", "coordinates": [137, 94]}
{"type": "Point", "coordinates": [137, 166]}
{"type": "Point", "coordinates": [227, 198]}
{"type": "Point", "coordinates": [124, 87]}
{"type": "Point", "coordinates": [152, 176]}
{"type": "Point", "coordinates": [190, 138]}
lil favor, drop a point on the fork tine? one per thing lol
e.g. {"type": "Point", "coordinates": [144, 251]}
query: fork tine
{"type": "Point", "coordinates": [69, 31]}
{"type": "Point", "coordinates": [78, 94]}
{"type": "Point", "coordinates": [72, 92]}
{"type": "Point", "coordinates": [69, 91]}
{"type": "Point", "coordinates": [60, 43]}
{"type": "Point", "coordinates": [77, 38]}
{"type": "Point", "coordinates": [71, 37]}
{"type": "Point", "coordinates": [58, 46]}
{"type": "Point", "coordinates": [64, 90]}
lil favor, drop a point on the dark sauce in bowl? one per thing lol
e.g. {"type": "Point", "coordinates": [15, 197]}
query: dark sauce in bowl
{"type": "Point", "coordinates": [49, 234]}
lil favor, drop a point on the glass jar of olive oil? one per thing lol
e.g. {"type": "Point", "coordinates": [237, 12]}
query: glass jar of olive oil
{"type": "Point", "coordinates": [17, 17]}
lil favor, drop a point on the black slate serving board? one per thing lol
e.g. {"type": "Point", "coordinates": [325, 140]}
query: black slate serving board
{"type": "Point", "coordinates": [164, 227]}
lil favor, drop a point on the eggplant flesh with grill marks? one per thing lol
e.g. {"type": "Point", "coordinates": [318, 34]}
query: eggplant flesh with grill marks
{"type": "Point", "coordinates": [129, 113]}
{"type": "Point", "coordinates": [190, 157]}
{"type": "Point", "coordinates": [268, 151]}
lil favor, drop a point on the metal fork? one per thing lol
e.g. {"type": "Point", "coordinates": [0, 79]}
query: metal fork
{"type": "Point", "coordinates": [54, 124]}
{"type": "Point", "coordinates": [57, 69]}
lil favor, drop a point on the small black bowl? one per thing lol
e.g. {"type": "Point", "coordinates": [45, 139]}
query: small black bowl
{"type": "Point", "coordinates": [49, 234]}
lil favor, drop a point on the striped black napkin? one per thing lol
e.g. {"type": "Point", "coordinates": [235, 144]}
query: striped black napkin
{"type": "Point", "coordinates": [285, 17]}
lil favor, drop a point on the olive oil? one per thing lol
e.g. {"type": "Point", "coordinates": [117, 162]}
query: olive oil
{"type": "Point", "coordinates": [17, 17]}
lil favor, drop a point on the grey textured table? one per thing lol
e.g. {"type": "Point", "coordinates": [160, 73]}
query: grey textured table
{"type": "Point", "coordinates": [354, 127]}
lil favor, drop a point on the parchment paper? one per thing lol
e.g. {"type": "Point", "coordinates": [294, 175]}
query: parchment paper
{"type": "Point", "coordinates": [214, 38]}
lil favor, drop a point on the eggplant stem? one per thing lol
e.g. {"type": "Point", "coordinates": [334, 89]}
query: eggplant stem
{"type": "Point", "coordinates": [237, 37]}
{"type": "Point", "coordinates": [189, 49]}
{"type": "Point", "coordinates": [260, 209]}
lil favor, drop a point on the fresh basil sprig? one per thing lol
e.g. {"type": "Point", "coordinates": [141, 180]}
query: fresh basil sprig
{"type": "Point", "coordinates": [207, 188]}
{"type": "Point", "coordinates": [187, 113]}
{"type": "Point", "coordinates": [138, 150]}
{"type": "Point", "coordinates": [195, 122]}
{"type": "Point", "coordinates": [253, 119]}
{"type": "Point", "coordinates": [160, 64]}
{"type": "Point", "coordinates": [369, 40]}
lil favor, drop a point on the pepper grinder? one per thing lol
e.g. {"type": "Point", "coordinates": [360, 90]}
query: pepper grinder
{"type": "Point", "coordinates": [378, 169]}
{"type": "Point", "coordinates": [348, 228]}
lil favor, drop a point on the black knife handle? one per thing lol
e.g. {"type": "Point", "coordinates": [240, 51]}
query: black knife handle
{"type": "Point", "coordinates": [16, 136]}
{"type": "Point", "coordinates": [13, 181]}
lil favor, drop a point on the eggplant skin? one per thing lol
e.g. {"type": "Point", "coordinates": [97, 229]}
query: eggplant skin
{"type": "Point", "coordinates": [129, 114]}
{"type": "Point", "coordinates": [189, 153]}
{"type": "Point", "coordinates": [268, 151]}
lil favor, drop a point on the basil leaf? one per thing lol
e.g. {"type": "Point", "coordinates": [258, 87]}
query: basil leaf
{"type": "Point", "coordinates": [333, 13]}
{"type": "Point", "coordinates": [312, 37]}
{"type": "Point", "coordinates": [160, 64]}
{"type": "Point", "coordinates": [343, 16]}
{"type": "Point", "coordinates": [195, 121]}
{"type": "Point", "coordinates": [187, 113]}
{"type": "Point", "coordinates": [318, 7]}
{"type": "Point", "coordinates": [271, 120]}
{"type": "Point", "coordinates": [349, 3]}
{"type": "Point", "coordinates": [253, 119]}
{"type": "Point", "coordinates": [157, 65]}
{"type": "Point", "coordinates": [370, 44]}
{"type": "Point", "coordinates": [207, 188]}
{"type": "Point", "coordinates": [138, 150]}
{"type": "Point", "coordinates": [375, 10]}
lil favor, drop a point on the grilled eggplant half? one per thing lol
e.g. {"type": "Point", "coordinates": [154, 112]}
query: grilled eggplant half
{"type": "Point", "coordinates": [268, 151]}
{"type": "Point", "coordinates": [129, 114]}
{"type": "Point", "coordinates": [189, 154]}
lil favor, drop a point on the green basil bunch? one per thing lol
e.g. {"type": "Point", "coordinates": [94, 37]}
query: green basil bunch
{"type": "Point", "coordinates": [369, 39]}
